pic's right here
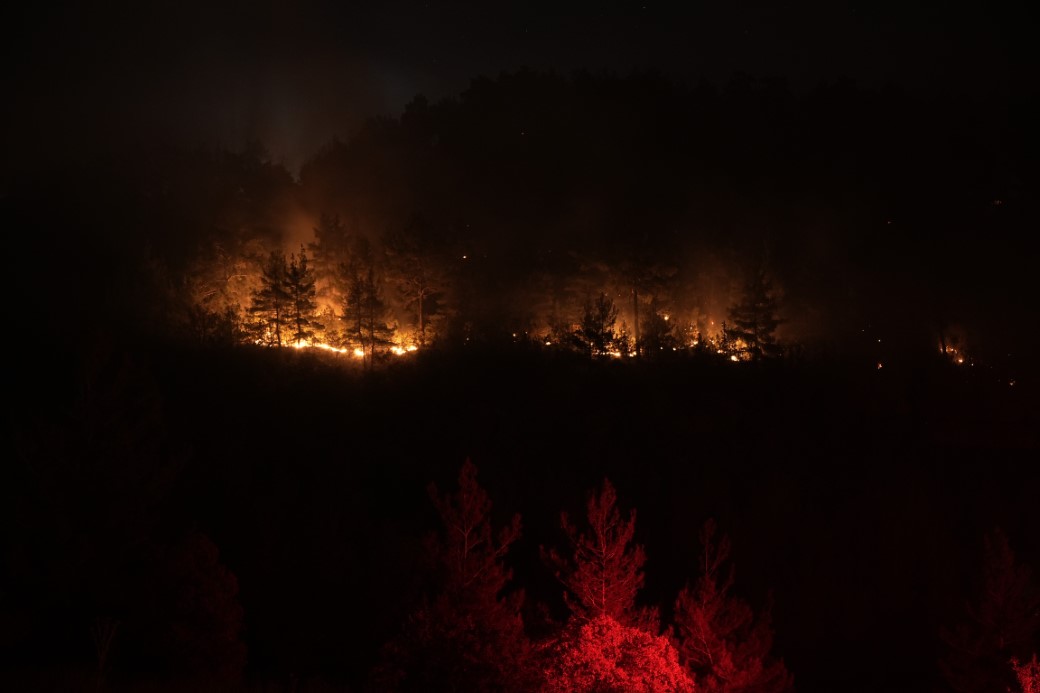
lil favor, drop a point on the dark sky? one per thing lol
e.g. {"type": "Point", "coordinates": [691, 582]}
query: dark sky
{"type": "Point", "coordinates": [295, 74]}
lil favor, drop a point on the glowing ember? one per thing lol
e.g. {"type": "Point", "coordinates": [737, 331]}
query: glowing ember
{"type": "Point", "coordinates": [359, 352]}
{"type": "Point", "coordinates": [733, 357]}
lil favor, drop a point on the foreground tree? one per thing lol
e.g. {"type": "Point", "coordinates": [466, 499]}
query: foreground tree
{"type": "Point", "coordinates": [603, 655]}
{"type": "Point", "coordinates": [1003, 623]}
{"type": "Point", "coordinates": [469, 634]}
{"type": "Point", "coordinates": [192, 625]}
{"type": "Point", "coordinates": [603, 569]}
{"type": "Point", "coordinates": [1028, 674]}
{"type": "Point", "coordinates": [721, 642]}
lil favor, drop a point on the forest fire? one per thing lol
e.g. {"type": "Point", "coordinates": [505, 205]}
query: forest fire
{"type": "Point", "coordinates": [277, 274]}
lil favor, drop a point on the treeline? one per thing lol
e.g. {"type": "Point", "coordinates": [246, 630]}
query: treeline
{"type": "Point", "coordinates": [529, 194]}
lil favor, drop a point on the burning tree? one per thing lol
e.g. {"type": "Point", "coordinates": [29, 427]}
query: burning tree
{"type": "Point", "coordinates": [418, 273]}
{"type": "Point", "coordinates": [596, 327]}
{"type": "Point", "coordinates": [365, 312]}
{"type": "Point", "coordinates": [604, 570]}
{"type": "Point", "coordinates": [657, 331]}
{"type": "Point", "coordinates": [724, 646]}
{"type": "Point", "coordinates": [303, 308]}
{"type": "Point", "coordinates": [270, 304]}
{"type": "Point", "coordinates": [753, 319]}
{"type": "Point", "coordinates": [469, 635]}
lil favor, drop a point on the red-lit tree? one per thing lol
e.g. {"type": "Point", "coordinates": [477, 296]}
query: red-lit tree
{"type": "Point", "coordinates": [1003, 623]}
{"type": "Point", "coordinates": [724, 646]}
{"type": "Point", "coordinates": [468, 635]}
{"type": "Point", "coordinates": [602, 655]}
{"type": "Point", "coordinates": [604, 569]}
{"type": "Point", "coordinates": [1028, 674]}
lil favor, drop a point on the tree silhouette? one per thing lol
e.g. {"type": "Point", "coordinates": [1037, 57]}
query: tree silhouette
{"type": "Point", "coordinates": [603, 570]}
{"type": "Point", "coordinates": [302, 308]}
{"type": "Point", "coordinates": [1001, 624]}
{"type": "Point", "coordinates": [364, 312]}
{"type": "Point", "coordinates": [192, 621]}
{"type": "Point", "coordinates": [753, 319]}
{"type": "Point", "coordinates": [469, 634]}
{"type": "Point", "coordinates": [418, 273]}
{"type": "Point", "coordinates": [724, 646]}
{"type": "Point", "coordinates": [596, 327]}
{"type": "Point", "coordinates": [271, 303]}
{"type": "Point", "coordinates": [657, 333]}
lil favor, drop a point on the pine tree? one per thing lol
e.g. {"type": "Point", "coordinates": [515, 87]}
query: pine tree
{"type": "Point", "coordinates": [596, 327]}
{"type": "Point", "coordinates": [270, 304]}
{"type": "Point", "coordinates": [364, 312]}
{"type": "Point", "coordinates": [469, 634]}
{"type": "Point", "coordinates": [191, 621]}
{"type": "Point", "coordinates": [418, 274]}
{"type": "Point", "coordinates": [303, 308]}
{"type": "Point", "coordinates": [754, 319]}
{"type": "Point", "coordinates": [1003, 623]}
{"type": "Point", "coordinates": [329, 250]}
{"type": "Point", "coordinates": [604, 569]}
{"type": "Point", "coordinates": [721, 642]}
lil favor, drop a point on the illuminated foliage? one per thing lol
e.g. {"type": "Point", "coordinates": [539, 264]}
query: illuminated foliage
{"type": "Point", "coordinates": [1001, 624]}
{"type": "Point", "coordinates": [603, 571]}
{"type": "Point", "coordinates": [469, 634]}
{"type": "Point", "coordinates": [724, 646]}
{"type": "Point", "coordinates": [1028, 674]}
{"type": "Point", "coordinates": [603, 655]}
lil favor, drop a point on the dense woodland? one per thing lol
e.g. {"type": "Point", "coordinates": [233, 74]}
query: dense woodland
{"type": "Point", "coordinates": [559, 300]}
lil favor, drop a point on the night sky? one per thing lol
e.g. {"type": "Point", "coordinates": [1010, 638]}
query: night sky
{"type": "Point", "coordinates": [297, 74]}
{"type": "Point", "coordinates": [465, 180]}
